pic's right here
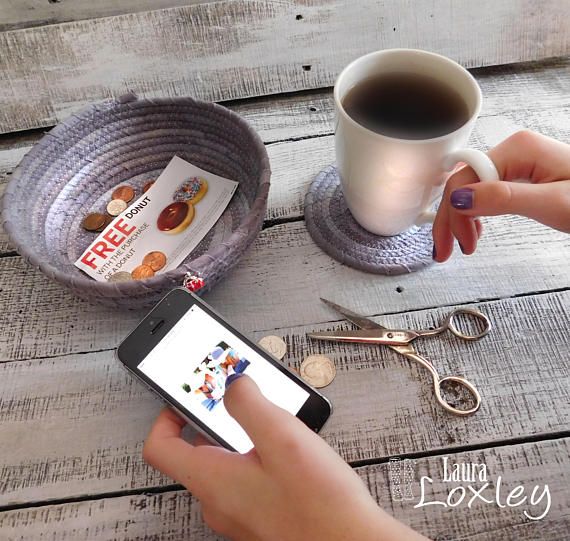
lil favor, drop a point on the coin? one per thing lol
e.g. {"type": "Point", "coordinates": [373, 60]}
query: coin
{"type": "Point", "coordinates": [93, 221]}
{"type": "Point", "coordinates": [141, 272]}
{"type": "Point", "coordinates": [274, 345]}
{"type": "Point", "coordinates": [155, 260]}
{"type": "Point", "coordinates": [108, 220]}
{"type": "Point", "coordinates": [318, 370]}
{"type": "Point", "coordinates": [148, 186]}
{"type": "Point", "coordinates": [124, 193]}
{"type": "Point", "coordinates": [116, 206]}
{"type": "Point", "coordinates": [121, 276]}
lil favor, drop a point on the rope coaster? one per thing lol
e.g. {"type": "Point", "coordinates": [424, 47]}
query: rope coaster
{"type": "Point", "coordinates": [334, 229]}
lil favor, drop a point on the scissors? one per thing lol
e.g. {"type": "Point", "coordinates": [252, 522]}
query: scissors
{"type": "Point", "coordinates": [401, 342]}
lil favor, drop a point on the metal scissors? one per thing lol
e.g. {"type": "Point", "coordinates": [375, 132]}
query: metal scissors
{"type": "Point", "coordinates": [401, 342]}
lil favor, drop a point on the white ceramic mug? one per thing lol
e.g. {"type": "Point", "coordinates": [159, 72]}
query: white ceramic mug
{"type": "Point", "coordinates": [391, 184]}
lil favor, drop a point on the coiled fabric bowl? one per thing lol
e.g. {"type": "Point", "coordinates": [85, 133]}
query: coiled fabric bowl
{"type": "Point", "coordinates": [74, 168]}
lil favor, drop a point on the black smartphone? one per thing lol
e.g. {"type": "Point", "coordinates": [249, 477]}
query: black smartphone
{"type": "Point", "coordinates": [184, 351]}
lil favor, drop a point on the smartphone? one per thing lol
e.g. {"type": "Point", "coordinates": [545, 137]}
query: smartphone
{"type": "Point", "coordinates": [184, 351]}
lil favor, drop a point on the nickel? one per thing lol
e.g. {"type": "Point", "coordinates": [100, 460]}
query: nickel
{"type": "Point", "coordinates": [155, 260]}
{"type": "Point", "coordinates": [124, 193]}
{"type": "Point", "coordinates": [141, 272]}
{"type": "Point", "coordinates": [274, 345]}
{"type": "Point", "coordinates": [93, 221]}
{"type": "Point", "coordinates": [318, 370]}
{"type": "Point", "coordinates": [122, 276]}
{"type": "Point", "coordinates": [116, 206]}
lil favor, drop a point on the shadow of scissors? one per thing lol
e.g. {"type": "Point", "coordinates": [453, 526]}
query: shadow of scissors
{"type": "Point", "coordinates": [401, 342]}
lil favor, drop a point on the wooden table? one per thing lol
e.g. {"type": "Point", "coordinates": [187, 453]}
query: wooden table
{"type": "Point", "coordinates": [72, 422]}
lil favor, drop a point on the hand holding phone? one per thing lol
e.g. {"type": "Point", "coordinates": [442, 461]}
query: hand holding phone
{"type": "Point", "coordinates": [184, 351]}
{"type": "Point", "coordinates": [291, 487]}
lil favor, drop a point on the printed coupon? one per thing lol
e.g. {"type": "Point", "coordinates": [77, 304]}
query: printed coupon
{"type": "Point", "coordinates": [158, 231]}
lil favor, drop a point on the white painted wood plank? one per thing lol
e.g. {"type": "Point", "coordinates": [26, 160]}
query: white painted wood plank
{"type": "Point", "coordinates": [235, 49]}
{"type": "Point", "coordinates": [176, 515]}
{"type": "Point", "coordinates": [59, 416]}
{"type": "Point", "coordinates": [278, 283]}
{"type": "Point", "coordinates": [17, 14]}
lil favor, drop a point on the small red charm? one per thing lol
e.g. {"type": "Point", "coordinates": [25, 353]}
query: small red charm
{"type": "Point", "coordinates": [193, 283]}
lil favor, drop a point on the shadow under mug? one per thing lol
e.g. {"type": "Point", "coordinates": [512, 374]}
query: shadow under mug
{"type": "Point", "coordinates": [391, 184]}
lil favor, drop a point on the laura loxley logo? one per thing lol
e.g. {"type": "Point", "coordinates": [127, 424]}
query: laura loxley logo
{"type": "Point", "coordinates": [468, 484]}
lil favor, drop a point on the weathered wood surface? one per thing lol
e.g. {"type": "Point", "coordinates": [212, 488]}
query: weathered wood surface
{"type": "Point", "coordinates": [278, 283]}
{"type": "Point", "coordinates": [175, 515]}
{"type": "Point", "coordinates": [64, 411]}
{"type": "Point", "coordinates": [17, 14]}
{"type": "Point", "coordinates": [236, 49]}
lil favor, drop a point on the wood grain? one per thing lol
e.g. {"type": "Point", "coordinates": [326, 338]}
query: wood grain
{"type": "Point", "coordinates": [17, 14]}
{"type": "Point", "coordinates": [236, 49]}
{"type": "Point", "coordinates": [278, 283]}
{"type": "Point", "coordinates": [59, 416]}
{"type": "Point", "coordinates": [176, 515]}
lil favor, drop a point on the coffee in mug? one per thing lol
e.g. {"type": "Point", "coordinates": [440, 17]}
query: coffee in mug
{"type": "Point", "coordinates": [406, 106]}
{"type": "Point", "coordinates": [403, 120]}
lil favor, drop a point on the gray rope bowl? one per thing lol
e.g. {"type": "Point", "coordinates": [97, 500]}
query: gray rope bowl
{"type": "Point", "coordinates": [74, 168]}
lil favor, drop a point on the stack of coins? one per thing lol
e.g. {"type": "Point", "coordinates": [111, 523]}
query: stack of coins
{"type": "Point", "coordinates": [317, 370]}
{"type": "Point", "coordinates": [120, 198]}
{"type": "Point", "coordinates": [151, 264]}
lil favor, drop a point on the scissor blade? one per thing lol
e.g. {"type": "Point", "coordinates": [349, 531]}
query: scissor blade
{"type": "Point", "coordinates": [353, 317]}
{"type": "Point", "coordinates": [385, 337]}
{"type": "Point", "coordinates": [365, 323]}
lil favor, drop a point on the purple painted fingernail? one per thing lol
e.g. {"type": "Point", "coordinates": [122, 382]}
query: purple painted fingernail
{"type": "Point", "coordinates": [462, 199]}
{"type": "Point", "coordinates": [233, 377]}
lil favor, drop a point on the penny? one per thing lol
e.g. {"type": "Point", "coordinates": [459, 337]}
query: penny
{"type": "Point", "coordinates": [122, 276]}
{"type": "Point", "coordinates": [274, 345]}
{"type": "Point", "coordinates": [124, 193]}
{"type": "Point", "coordinates": [93, 221]}
{"type": "Point", "coordinates": [116, 206]}
{"type": "Point", "coordinates": [155, 260]}
{"type": "Point", "coordinates": [148, 186]}
{"type": "Point", "coordinates": [141, 272]}
{"type": "Point", "coordinates": [108, 220]}
{"type": "Point", "coordinates": [318, 370]}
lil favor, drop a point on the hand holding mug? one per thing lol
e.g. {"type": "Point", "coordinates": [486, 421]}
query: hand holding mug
{"type": "Point", "coordinates": [542, 162]}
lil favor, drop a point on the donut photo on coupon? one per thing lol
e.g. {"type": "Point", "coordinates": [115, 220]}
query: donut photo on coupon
{"type": "Point", "coordinates": [179, 214]}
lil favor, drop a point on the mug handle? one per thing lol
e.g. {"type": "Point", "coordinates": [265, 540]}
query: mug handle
{"type": "Point", "coordinates": [479, 161]}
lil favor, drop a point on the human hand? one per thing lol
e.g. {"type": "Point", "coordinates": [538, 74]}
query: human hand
{"type": "Point", "coordinates": [292, 486]}
{"type": "Point", "coordinates": [526, 155]}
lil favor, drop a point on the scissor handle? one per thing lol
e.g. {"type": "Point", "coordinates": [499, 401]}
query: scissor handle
{"type": "Point", "coordinates": [437, 382]}
{"type": "Point", "coordinates": [466, 384]}
{"type": "Point", "coordinates": [450, 323]}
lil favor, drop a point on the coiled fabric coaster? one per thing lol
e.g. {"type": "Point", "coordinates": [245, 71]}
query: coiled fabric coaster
{"type": "Point", "coordinates": [334, 229]}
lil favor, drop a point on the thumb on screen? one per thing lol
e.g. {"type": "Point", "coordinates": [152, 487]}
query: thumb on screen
{"type": "Point", "coordinates": [265, 423]}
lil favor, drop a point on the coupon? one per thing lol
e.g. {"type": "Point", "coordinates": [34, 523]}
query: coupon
{"type": "Point", "coordinates": [158, 231]}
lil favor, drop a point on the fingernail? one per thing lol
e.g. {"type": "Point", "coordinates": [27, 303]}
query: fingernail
{"type": "Point", "coordinates": [462, 199]}
{"type": "Point", "coordinates": [434, 252]}
{"type": "Point", "coordinates": [461, 246]}
{"type": "Point", "coordinates": [233, 377]}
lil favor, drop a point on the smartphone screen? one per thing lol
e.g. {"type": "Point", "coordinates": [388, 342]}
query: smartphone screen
{"type": "Point", "coordinates": [190, 365]}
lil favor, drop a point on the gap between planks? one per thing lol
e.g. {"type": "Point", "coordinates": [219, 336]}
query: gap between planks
{"type": "Point", "coordinates": [176, 512]}
{"type": "Point", "coordinates": [384, 406]}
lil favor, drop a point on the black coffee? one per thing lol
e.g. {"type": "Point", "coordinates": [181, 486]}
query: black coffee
{"type": "Point", "coordinates": [406, 106]}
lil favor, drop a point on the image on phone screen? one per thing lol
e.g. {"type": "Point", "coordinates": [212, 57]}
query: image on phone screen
{"type": "Point", "coordinates": [192, 362]}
